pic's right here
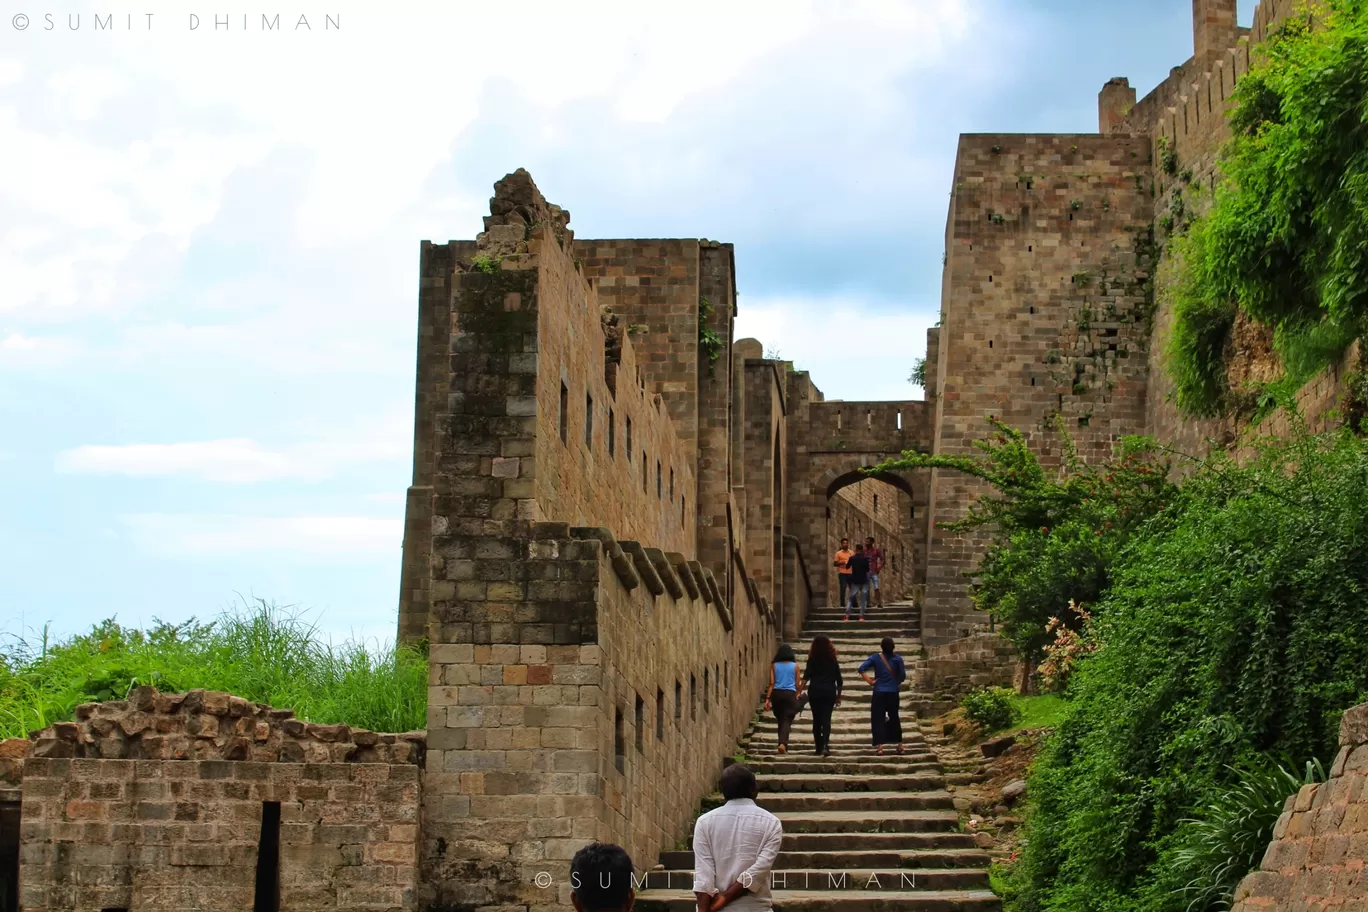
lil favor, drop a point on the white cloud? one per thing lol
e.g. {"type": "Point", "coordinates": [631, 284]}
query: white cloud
{"type": "Point", "coordinates": [329, 537]}
{"type": "Point", "coordinates": [234, 460]}
{"type": "Point", "coordinates": [20, 350]}
{"type": "Point", "coordinates": [855, 349]}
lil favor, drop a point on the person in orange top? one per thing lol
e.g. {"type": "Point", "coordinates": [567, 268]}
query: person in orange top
{"type": "Point", "coordinates": [841, 563]}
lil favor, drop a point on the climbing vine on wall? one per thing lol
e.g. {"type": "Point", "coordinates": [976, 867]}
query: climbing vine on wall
{"type": "Point", "coordinates": [1284, 240]}
{"type": "Point", "coordinates": [708, 340]}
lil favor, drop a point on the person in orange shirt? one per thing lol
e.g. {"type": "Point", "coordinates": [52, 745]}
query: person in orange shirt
{"type": "Point", "coordinates": [843, 557]}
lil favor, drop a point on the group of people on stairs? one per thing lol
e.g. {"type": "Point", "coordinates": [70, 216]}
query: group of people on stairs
{"type": "Point", "coordinates": [821, 685]}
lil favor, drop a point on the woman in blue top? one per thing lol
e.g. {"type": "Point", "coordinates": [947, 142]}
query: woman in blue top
{"type": "Point", "coordinates": [785, 686]}
{"type": "Point", "coordinates": [889, 673]}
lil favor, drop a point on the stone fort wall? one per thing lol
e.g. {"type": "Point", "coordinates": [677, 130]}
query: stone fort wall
{"type": "Point", "coordinates": [1046, 317]}
{"type": "Point", "coordinates": [206, 801]}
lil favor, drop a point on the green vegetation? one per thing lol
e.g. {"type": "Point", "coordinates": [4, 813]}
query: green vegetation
{"type": "Point", "coordinates": [486, 264]}
{"type": "Point", "coordinates": [992, 709]}
{"type": "Point", "coordinates": [1283, 241]}
{"type": "Point", "coordinates": [1044, 711]}
{"type": "Point", "coordinates": [1056, 534]}
{"type": "Point", "coordinates": [1231, 635]}
{"type": "Point", "coordinates": [260, 652]}
{"type": "Point", "coordinates": [708, 340]}
{"type": "Point", "coordinates": [918, 375]}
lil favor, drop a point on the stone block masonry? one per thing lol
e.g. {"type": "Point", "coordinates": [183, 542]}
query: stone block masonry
{"type": "Point", "coordinates": [1319, 855]}
{"type": "Point", "coordinates": [205, 801]}
{"type": "Point", "coordinates": [1046, 317]}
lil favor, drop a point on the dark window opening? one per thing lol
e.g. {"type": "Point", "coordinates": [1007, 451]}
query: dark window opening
{"type": "Point", "coordinates": [683, 514]}
{"type": "Point", "coordinates": [679, 702]}
{"type": "Point", "coordinates": [660, 484]}
{"type": "Point", "coordinates": [564, 412]}
{"type": "Point", "coordinates": [717, 685]}
{"type": "Point", "coordinates": [612, 433]}
{"type": "Point", "coordinates": [268, 860]}
{"type": "Point", "coordinates": [589, 421]}
{"type": "Point", "coordinates": [876, 501]}
{"type": "Point", "coordinates": [629, 439]}
{"type": "Point", "coordinates": [640, 723]}
{"type": "Point", "coordinates": [671, 485]}
{"type": "Point", "coordinates": [1032, 309]}
{"type": "Point", "coordinates": [643, 471]}
{"type": "Point", "coordinates": [660, 714]}
{"type": "Point", "coordinates": [9, 856]}
{"type": "Point", "coordinates": [619, 742]}
{"type": "Point", "coordinates": [706, 702]}
{"type": "Point", "coordinates": [990, 343]}
{"type": "Point", "coordinates": [693, 698]}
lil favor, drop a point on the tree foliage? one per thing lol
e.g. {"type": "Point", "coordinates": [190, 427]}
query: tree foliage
{"type": "Point", "coordinates": [1053, 534]}
{"type": "Point", "coordinates": [1286, 239]}
{"type": "Point", "coordinates": [1235, 628]}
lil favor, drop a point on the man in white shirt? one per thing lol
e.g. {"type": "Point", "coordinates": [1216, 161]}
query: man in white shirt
{"type": "Point", "coordinates": [734, 848]}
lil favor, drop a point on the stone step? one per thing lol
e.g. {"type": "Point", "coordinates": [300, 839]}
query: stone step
{"type": "Point", "coordinates": [872, 803]}
{"type": "Point", "coordinates": [868, 821]}
{"type": "Point", "coordinates": [861, 629]}
{"type": "Point", "coordinates": [817, 782]}
{"type": "Point", "coordinates": [811, 763]}
{"type": "Point", "coordinates": [887, 874]}
{"type": "Point", "coordinates": [842, 901]}
{"type": "Point", "coordinates": [857, 850]}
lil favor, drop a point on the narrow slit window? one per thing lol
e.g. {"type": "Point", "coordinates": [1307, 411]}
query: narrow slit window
{"type": "Point", "coordinates": [838, 419]}
{"type": "Point", "coordinates": [693, 698]}
{"type": "Point", "coordinates": [643, 471]}
{"type": "Point", "coordinates": [660, 714]}
{"type": "Point", "coordinates": [628, 440]}
{"type": "Point", "coordinates": [869, 419]}
{"type": "Point", "coordinates": [717, 685]}
{"type": "Point", "coordinates": [660, 481]}
{"type": "Point", "coordinates": [268, 860]}
{"type": "Point", "coordinates": [640, 724]}
{"type": "Point", "coordinates": [876, 501]}
{"type": "Point", "coordinates": [683, 514]}
{"type": "Point", "coordinates": [612, 433]}
{"type": "Point", "coordinates": [671, 485]}
{"type": "Point", "coordinates": [619, 742]}
{"type": "Point", "coordinates": [900, 421]}
{"type": "Point", "coordinates": [679, 703]}
{"type": "Point", "coordinates": [706, 702]}
{"type": "Point", "coordinates": [589, 420]}
{"type": "Point", "coordinates": [9, 855]}
{"type": "Point", "coordinates": [564, 413]}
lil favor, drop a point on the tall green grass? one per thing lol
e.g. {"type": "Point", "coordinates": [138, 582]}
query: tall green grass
{"type": "Point", "coordinates": [257, 651]}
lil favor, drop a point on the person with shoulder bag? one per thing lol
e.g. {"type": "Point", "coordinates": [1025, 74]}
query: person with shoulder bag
{"type": "Point", "coordinates": [889, 672]}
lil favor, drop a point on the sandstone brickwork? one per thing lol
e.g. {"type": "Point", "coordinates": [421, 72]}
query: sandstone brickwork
{"type": "Point", "coordinates": [204, 800]}
{"type": "Point", "coordinates": [1319, 853]}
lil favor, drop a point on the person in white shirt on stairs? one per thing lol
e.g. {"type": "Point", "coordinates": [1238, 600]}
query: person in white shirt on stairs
{"type": "Point", "coordinates": [735, 847]}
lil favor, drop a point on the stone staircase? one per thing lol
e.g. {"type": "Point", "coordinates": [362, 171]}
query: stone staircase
{"type": "Point", "coordinates": [862, 832]}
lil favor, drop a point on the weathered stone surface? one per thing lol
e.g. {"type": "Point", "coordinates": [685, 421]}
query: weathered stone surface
{"type": "Point", "coordinates": [995, 747]}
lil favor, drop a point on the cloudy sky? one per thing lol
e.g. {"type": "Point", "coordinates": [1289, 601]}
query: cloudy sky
{"type": "Point", "coordinates": [209, 239]}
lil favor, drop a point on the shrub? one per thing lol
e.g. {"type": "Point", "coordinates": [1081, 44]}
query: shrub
{"type": "Point", "coordinates": [1283, 239]}
{"type": "Point", "coordinates": [1234, 627]}
{"type": "Point", "coordinates": [993, 709]}
{"type": "Point", "coordinates": [1232, 834]}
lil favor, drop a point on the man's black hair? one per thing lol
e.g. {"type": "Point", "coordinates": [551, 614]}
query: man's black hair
{"type": "Point", "coordinates": [859, 546]}
{"type": "Point", "coordinates": [738, 782]}
{"type": "Point", "coordinates": [601, 877]}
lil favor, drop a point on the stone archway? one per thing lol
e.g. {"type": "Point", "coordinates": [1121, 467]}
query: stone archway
{"type": "Point", "coordinates": [810, 512]}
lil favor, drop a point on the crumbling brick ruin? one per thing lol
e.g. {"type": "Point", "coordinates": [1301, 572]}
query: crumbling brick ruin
{"type": "Point", "coordinates": [618, 511]}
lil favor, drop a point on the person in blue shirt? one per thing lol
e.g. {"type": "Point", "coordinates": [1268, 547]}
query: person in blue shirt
{"type": "Point", "coordinates": [889, 674]}
{"type": "Point", "coordinates": [785, 686]}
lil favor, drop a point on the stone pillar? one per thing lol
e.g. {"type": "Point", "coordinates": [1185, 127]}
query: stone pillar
{"type": "Point", "coordinates": [1114, 102]}
{"type": "Point", "coordinates": [1214, 29]}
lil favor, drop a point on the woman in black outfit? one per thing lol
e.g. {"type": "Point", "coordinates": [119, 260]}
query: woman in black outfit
{"type": "Point", "coordinates": [823, 677]}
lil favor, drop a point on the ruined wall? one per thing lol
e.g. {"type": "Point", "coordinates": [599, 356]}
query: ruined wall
{"type": "Point", "coordinates": [578, 682]}
{"type": "Point", "coordinates": [537, 749]}
{"type": "Point", "coordinates": [1046, 314]}
{"type": "Point", "coordinates": [970, 663]}
{"type": "Point", "coordinates": [1320, 846]}
{"type": "Point", "coordinates": [587, 472]}
{"type": "Point", "coordinates": [201, 800]}
{"type": "Point", "coordinates": [765, 443]}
